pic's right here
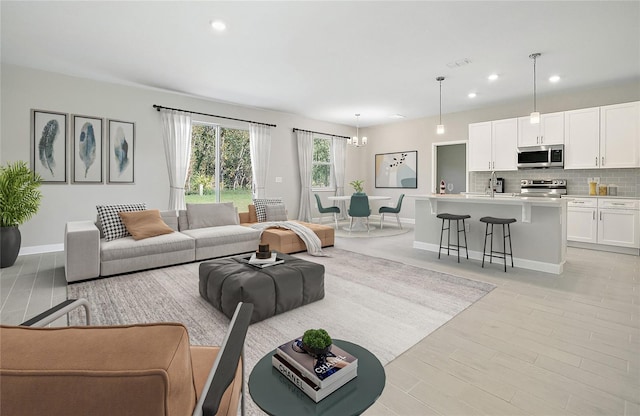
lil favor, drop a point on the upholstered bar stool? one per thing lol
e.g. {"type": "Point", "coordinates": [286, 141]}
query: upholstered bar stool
{"type": "Point", "coordinates": [457, 218]}
{"type": "Point", "coordinates": [506, 232]}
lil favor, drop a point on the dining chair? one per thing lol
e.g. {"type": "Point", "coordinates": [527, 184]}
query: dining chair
{"type": "Point", "coordinates": [391, 210]}
{"type": "Point", "coordinates": [359, 208]}
{"type": "Point", "coordinates": [327, 210]}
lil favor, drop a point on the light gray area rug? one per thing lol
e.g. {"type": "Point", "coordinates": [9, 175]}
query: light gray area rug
{"type": "Point", "coordinates": [388, 230]}
{"type": "Point", "coordinates": [383, 305]}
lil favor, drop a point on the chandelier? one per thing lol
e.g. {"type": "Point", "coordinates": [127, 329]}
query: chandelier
{"type": "Point", "coordinates": [356, 141]}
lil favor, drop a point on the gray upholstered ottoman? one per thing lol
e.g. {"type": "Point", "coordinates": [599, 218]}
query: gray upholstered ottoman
{"type": "Point", "coordinates": [272, 290]}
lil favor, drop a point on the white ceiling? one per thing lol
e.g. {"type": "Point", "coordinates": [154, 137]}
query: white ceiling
{"type": "Point", "coordinates": [330, 60]}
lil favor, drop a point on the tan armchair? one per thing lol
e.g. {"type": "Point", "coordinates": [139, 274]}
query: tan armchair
{"type": "Point", "coordinates": [145, 369]}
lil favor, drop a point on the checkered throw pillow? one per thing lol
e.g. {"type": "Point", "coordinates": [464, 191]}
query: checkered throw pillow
{"type": "Point", "coordinates": [112, 225]}
{"type": "Point", "coordinates": [261, 203]}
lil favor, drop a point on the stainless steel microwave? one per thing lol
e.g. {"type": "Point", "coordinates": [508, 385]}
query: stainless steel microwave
{"type": "Point", "coordinates": [536, 157]}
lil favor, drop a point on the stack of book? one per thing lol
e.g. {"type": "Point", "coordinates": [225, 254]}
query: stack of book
{"type": "Point", "coordinates": [316, 376]}
{"type": "Point", "coordinates": [271, 261]}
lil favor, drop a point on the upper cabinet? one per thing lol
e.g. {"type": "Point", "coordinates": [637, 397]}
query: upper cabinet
{"type": "Point", "coordinates": [493, 145]}
{"type": "Point", "coordinates": [603, 137]}
{"type": "Point", "coordinates": [549, 131]}
{"type": "Point", "coordinates": [620, 135]}
{"type": "Point", "coordinates": [582, 138]}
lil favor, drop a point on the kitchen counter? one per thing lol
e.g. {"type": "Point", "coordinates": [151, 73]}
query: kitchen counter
{"type": "Point", "coordinates": [601, 196]}
{"type": "Point", "coordinates": [539, 236]}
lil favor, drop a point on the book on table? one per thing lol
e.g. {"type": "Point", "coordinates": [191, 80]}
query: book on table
{"type": "Point", "coordinates": [271, 261]}
{"type": "Point", "coordinates": [322, 370]}
{"type": "Point", "coordinates": [305, 384]}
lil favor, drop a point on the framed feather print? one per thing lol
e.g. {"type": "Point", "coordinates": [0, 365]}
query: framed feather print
{"type": "Point", "coordinates": [87, 149]}
{"type": "Point", "coordinates": [120, 151]}
{"type": "Point", "coordinates": [49, 145]}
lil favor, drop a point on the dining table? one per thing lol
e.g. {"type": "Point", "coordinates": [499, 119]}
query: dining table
{"type": "Point", "coordinates": [358, 224]}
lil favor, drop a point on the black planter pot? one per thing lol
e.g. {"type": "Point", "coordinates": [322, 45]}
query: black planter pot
{"type": "Point", "coordinates": [10, 240]}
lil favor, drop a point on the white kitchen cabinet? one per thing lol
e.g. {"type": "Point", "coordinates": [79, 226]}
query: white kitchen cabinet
{"type": "Point", "coordinates": [480, 152]}
{"type": "Point", "coordinates": [602, 137]}
{"type": "Point", "coordinates": [619, 222]}
{"type": "Point", "coordinates": [620, 135]}
{"type": "Point", "coordinates": [582, 138]}
{"type": "Point", "coordinates": [493, 145]}
{"type": "Point", "coordinates": [549, 131]}
{"type": "Point", "coordinates": [582, 222]}
{"type": "Point", "coordinates": [612, 222]}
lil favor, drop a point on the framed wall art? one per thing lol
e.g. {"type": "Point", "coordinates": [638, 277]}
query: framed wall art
{"type": "Point", "coordinates": [397, 170]}
{"type": "Point", "coordinates": [120, 151]}
{"type": "Point", "coordinates": [87, 149]}
{"type": "Point", "coordinates": [49, 145]}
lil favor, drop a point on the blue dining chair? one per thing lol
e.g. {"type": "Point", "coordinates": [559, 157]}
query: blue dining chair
{"type": "Point", "coordinates": [359, 208]}
{"type": "Point", "coordinates": [327, 210]}
{"type": "Point", "coordinates": [391, 210]}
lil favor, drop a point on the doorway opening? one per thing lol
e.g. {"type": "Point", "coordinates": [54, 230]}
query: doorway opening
{"type": "Point", "coordinates": [450, 162]}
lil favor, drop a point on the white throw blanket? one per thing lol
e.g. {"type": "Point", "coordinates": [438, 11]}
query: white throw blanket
{"type": "Point", "coordinates": [311, 240]}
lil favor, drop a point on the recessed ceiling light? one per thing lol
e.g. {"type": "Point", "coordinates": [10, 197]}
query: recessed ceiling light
{"type": "Point", "coordinates": [472, 95]}
{"type": "Point", "coordinates": [554, 78]}
{"type": "Point", "coordinates": [493, 77]}
{"type": "Point", "coordinates": [218, 25]}
{"type": "Point", "coordinates": [396, 116]}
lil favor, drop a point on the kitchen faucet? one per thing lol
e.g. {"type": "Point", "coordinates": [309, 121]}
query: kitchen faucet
{"type": "Point", "coordinates": [493, 182]}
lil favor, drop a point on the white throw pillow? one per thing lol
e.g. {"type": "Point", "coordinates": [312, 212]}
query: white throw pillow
{"type": "Point", "coordinates": [261, 203]}
{"type": "Point", "coordinates": [112, 225]}
{"type": "Point", "coordinates": [276, 212]}
{"type": "Point", "coordinates": [211, 215]}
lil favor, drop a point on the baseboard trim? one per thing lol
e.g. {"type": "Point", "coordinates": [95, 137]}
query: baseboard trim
{"type": "Point", "coordinates": [47, 248]}
{"type": "Point", "coordinates": [517, 262]}
{"type": "Point", "coordinates": [603, 247]}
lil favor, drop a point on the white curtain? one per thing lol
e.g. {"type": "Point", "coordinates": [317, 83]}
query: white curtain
{"type": "Point", "coordinates": [339, 163]}
{"type": "Point", "coordinates": [260, 145]}
{"type": "Point", "coordinates": [176, 134]}
{"type": "Point", "coordinates": [305, 162]}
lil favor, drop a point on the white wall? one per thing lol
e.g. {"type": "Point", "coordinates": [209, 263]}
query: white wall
{"type": "Point", "coordinates": [24, 89]}
{"type": "Point", "coordinates": [421, 133]}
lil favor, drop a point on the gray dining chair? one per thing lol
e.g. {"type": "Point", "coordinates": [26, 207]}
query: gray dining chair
{"type": "Point", "coordinates": [391, 210]}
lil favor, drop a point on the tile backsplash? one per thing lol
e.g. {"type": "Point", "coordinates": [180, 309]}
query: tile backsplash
{"type": "Point", "coordinates": [628, 180]}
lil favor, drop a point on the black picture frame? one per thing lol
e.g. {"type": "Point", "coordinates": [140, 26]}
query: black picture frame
{"type": "Point", "coordinates": [396, 170]}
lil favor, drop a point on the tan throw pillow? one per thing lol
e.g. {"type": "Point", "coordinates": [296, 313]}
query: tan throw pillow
{"type": "Point", "coordinates": [212, 215]}
{"type": "Point", "coordinates": [144, 224]}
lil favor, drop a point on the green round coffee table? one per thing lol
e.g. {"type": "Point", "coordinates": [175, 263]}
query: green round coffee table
{"type": "Point", "coordinates": [277, 396]}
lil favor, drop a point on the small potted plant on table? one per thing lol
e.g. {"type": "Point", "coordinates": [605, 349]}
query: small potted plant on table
{"type": "Point", "coordinates": [316, 342]}
{"type": "Point", "coordinates": [357, 185]}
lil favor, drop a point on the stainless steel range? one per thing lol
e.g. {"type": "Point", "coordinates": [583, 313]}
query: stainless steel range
{"type": "Point", "coordinates": [550, 188]}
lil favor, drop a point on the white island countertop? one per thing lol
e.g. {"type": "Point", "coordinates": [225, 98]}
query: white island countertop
{"type": "Point", "coordinates": [499, 198]}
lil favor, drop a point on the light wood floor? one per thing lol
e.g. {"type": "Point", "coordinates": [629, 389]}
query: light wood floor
{"type": "Point", "coordinates": [538, 344]}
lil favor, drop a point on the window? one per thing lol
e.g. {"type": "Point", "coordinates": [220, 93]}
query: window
{"type": "Point", "coordinates": [322, 171]}
{"type": "Point", "coordinates": [220, 169]}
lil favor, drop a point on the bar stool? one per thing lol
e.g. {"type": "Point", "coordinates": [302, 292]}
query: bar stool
{"type": "Point", "coordinates": [497, 221]}
{"type": "Point", "coordinates": [457, 218]}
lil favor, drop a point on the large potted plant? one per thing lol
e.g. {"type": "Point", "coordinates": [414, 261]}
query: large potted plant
{"type": "Point", "coordinates": [19, 201]}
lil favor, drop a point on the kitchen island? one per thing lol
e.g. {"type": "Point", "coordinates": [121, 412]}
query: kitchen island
{"type": "Point", "coordinates": [539, 236]}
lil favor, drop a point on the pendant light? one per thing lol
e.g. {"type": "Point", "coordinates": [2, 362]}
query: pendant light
{"type": "Point", "coordinates": [356, 140]}
{"type": "Point", "coordinates": [535, 115]}
{"type": "Point", "coordinates": [440, 127]}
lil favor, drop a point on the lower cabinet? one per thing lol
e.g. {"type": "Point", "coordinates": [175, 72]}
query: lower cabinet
{"type": "Point", "coordinates": [613, 222]}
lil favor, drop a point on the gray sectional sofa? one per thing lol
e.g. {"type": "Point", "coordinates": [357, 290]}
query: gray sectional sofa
{"type": "Point", "coordinates": [88, 255]}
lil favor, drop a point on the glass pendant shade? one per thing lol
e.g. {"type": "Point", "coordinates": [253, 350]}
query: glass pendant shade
{"type": "Point", "coordinates": [535, 118]}
{"type": "Point", "coordinates": [440, 129]}
{"type": "Point", "coordinates": [349, 141]}
{"type": "Point", "coordinates": [364, 141]}
{"type": "Point", "coordinates": [355, 141]}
